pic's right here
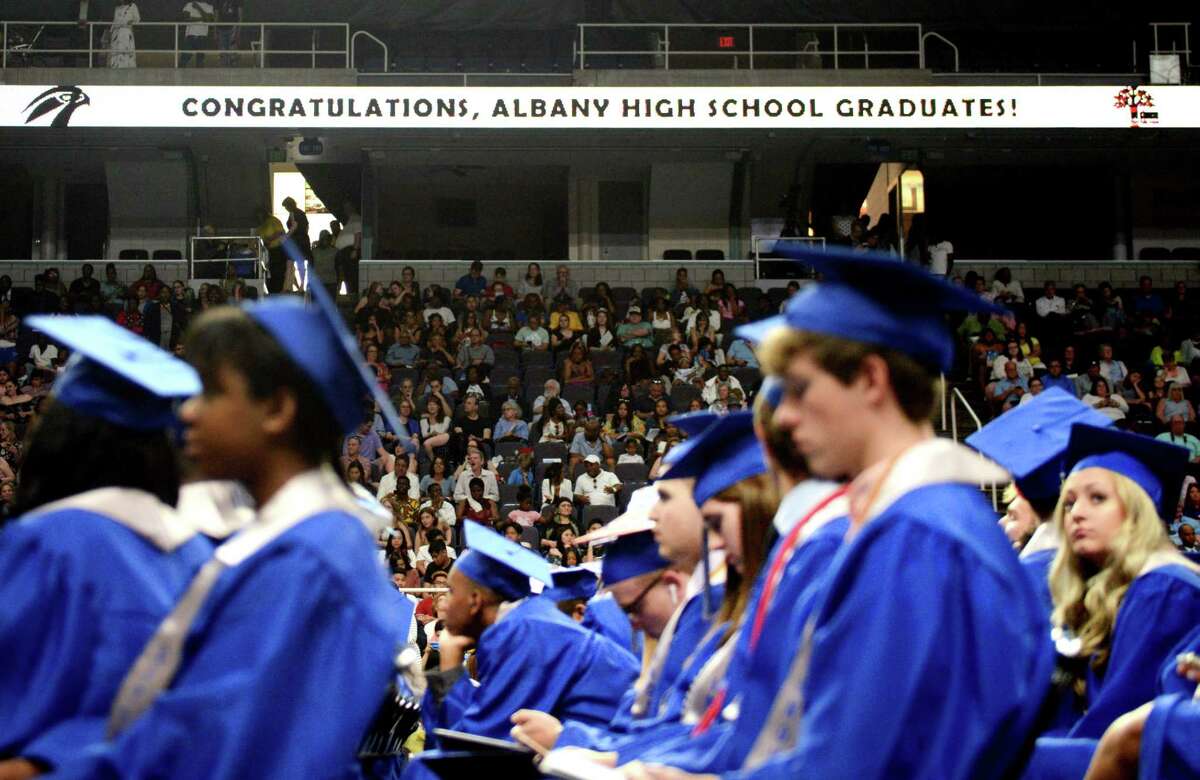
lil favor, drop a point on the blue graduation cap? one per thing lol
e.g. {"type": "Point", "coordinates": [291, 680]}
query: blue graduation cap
{"type": "Point", "coordinates": [1158, 467]}
{"type": "Point", "coordinates": [873, 299]}
{"type": "Point", "coordinates": [117, 375]}
{"type": "Point", "coordinates": [771, 390]}
{"type": "Point", "coordinates": [693, 424]}
{"type": "Point", "coordinates": [630, 556]}
{"type": "Point", "coordinates": [319, 341]}
{"type": "Point", "coordinates": [725, 454]}
{"type": "Point", "coordinates": [1030, 441]}
{"type": "Point", "coordinates": [573, 583]}
{"type": "Point", "coordinates": [496, 563]}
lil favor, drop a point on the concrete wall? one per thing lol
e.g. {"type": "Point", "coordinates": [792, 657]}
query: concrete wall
{"type": "Point", "coordinates": [1032, 275]}
{"type": "Point", "coordinates": [22, 272]}
{"type": "Point", "coordinates": [629, 274]}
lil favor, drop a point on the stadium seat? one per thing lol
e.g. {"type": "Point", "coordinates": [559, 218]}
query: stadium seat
{"type": "Point", "coordinates": [508, 493]}
{"type": "Point", "coordinates": [532, 357]}
{"type": "Point", "coordinates": [682, 394]}
{"type": "Point", "coordinates": [677, 254]}
{"type": "Point", "coordinates": [750, 378]}
{"type": "Point", "coordinates": [623, 295]}
{"type": "Point", "coordinates": [632, 472]}
{"type": "Point", "coordinates": [168, 254]}
{"type": "Point", "coordinates": [604, 514]}
{"type": "Point", "coordinates": [508, 449]}
{"type": "Point", "coordinates": [627, 490]}
{"type": "Point", "coordinates": [1187, 253]}
{"type": "Point", "coordinates": [710, 254]}
{"type": "Point", "coordinates": [133, 254]}
{"type": "Point", "coordinates": [1154, 253]}
{"type": "Point", "coordinates": [549, 450]}
{"type": "Point", "coordinates": [536, 376]}
{"type": "Point", "coordinates": [776, 296]}
{"type": "Point", "coordinates": [531, 537]}
{"type": "Point", "coordinates": [572, 394]}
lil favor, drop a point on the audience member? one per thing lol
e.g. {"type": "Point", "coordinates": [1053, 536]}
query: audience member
{"type": "Point", "coordinates": [474, 468]}
{"type": "Point", "coordinates": [596, 487]}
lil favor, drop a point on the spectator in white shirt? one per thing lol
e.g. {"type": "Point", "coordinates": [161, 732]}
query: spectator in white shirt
{"type": "Point", "coordinates": [195, 36]}
{"type": "Point", "coordinates": [941, 257]}
{"type": "Point", "coordinates": [43, 354]}
{"type": "Point", "coordinates": [550, 389]}
{"type": "Point", "coordinates": [402, 466]}
{"type": "Point", "coordinates": [1005, 290]}
{"type": "Point", "coordinates": [442, 509]}
{"type": "Point", "coordinates": [1050, 302]}
{"type": "Point", "coordinates": [596, 487]}
{"type": "Point", "coordinates": [471, 469]}
{"type": "Point", "coordinates": [722, 377]}
{"type": "Point", "coordinates": [1102, 400]}
{"type": "Point", "coordinates": [1172, 372]}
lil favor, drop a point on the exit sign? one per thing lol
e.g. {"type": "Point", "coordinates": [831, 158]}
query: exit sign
{"type": "Point", "coordinates": [725, 42]}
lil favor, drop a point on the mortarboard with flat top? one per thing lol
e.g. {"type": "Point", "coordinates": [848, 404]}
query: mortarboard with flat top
{"type": "Point", "coordinates": [873, 299]}
{"type": "Point", "coordinates": [1030, 441]}
{"type": "Point", "coordinates": [317, 339]}
{"type": "Point", "coordinates": [573, 583]}
{"type": "Point", "coordinates": [117, 375]}
{"type": "Point", "coordinates": [503, 566]}
{"type": "Point", "coordinates": [1157, 467]}
{"type": "Point", "coordinates": [631, 555]}
{"type": "Point", "coordinates": [723, 455]}
{"type": "Point", "coordinates": [693, 424]}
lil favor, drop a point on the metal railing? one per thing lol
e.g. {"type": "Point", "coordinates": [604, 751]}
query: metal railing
{"type": "Point", "coordinates": [956, 397]}
{"type": "Point", "coordinates": [939, 37]}
{"type": "Point", "coordinates": [354, 48]}
{"type": "Point", "coordinates": [1186, 50]}
{"type": "Point", "coordinates": [161, 44]}
{"type": "Point", "coordinates": [759, 242]}
{"type": "Point", "coordinates": [250, 262]}
{"type": "Point", "coordinates": [751, 46]}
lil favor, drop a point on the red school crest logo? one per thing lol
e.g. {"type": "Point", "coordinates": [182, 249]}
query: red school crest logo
{"type": "Point", "coordinates": [1137, 100]}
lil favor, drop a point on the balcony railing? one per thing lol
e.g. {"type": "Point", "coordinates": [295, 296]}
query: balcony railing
{"type": "Point", "coordinates": [750, 46]}
{"type": "Point", "coordinates": [164, 45]}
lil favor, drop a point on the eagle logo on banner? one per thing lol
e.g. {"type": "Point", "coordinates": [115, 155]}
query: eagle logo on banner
{"type": "Point", "coordinates": [63, 99]}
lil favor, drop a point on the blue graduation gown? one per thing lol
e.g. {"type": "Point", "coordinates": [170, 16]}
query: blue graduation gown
{"type": "Point", "coordinates": [606, 618]}
{"type": "Point", "coordinates": [284, 667]}
{"type": "Point", "coordinates": [81, 593]}
{"type": "Point", "coordinates": [754, 676]}
{"type": "Point", "coordinates": [1037, 566]}
{"type": "Point", "coordinates": [1159, 610]}
{"type": "Point", "coordinates": [913, 670]}
{"type": "Point", "coordinates": [1156, 621]}
{"type": "Point", "coordinates": [536, 658]}
{"type": "Point", "coordinates": [690, 631]}
{"type": "Point", "coordinates": [1061, 758]}
{"type": "Point", "coordinates": [1171, 740]}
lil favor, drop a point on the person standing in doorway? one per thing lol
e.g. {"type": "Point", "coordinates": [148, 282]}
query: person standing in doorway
{"type": "Point", "coordinates": [349, 250]}
{"type": "Point", "coordinates": [271, 231]}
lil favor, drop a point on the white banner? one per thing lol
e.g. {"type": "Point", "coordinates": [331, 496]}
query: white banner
{"type": "Point", "coordinates": [600, 107]}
